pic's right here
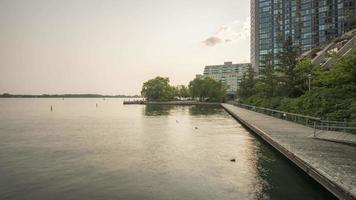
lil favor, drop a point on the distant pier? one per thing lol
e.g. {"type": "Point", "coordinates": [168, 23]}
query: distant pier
{"type": "Point", "coordinates": [182, 103]}
{"type": "Point", "coordinates": [134, 102]}
{"type": "Point", "coordinates": [332, 164]}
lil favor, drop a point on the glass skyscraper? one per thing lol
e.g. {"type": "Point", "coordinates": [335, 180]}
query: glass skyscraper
{"type": "Point", "coordinates": [309, 23]}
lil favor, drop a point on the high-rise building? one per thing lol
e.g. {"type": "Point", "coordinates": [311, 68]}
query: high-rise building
{"type": "Point", "coordinates": [228, 73]}
{"type": "Point", "coordinates": [309, 23]}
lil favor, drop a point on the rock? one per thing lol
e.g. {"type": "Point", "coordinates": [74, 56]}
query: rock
{"type": "Point", "coordinates": [233, 160]}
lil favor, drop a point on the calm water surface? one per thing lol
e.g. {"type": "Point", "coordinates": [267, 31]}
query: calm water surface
{"type": "Point", "coordinates": [80, 151]}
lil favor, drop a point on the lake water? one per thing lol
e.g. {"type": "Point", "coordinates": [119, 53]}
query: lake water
{"type": "Point", "coordinates": [80, 151]}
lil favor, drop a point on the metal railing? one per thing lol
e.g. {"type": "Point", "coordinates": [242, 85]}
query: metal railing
{"type": "Point", "coordinates": [343, 126]}
{"type": "Point", "coordinates": [314, 122]}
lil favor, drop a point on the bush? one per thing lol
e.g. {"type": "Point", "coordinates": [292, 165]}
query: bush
{"type": "Point", "coordinates": [332, 95]}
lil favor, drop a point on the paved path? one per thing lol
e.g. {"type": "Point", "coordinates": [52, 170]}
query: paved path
{"type": "Point", "coordinates": [332, 164]}
{"type": "Point", "coordinates": [349, 138]}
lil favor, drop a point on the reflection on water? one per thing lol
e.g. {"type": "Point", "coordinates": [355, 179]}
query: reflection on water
{"type": "Point", "coordinates": [80, 151]}
{"type": "Point", "coordinates": [282, 180]}
{"type": "Point", "coordinates": [157, 110]}
{"type": "Point", "coordinates": [205, 110]}
{"type": "Point", "coordinates": [161, 110]}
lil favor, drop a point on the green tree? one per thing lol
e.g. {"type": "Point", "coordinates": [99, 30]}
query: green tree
{"type": "Point", "coordinates": [207, 88]}
{"type": "Point", "coordinates": [183, 91]}
{"type": "Point", "coordinates": [247, 84]}
{"type": "Point", "coordinates": [157, 89]}
{"type": "Point", "coordinates": [195, 88]}
{"type": "Point", "coordinates": [268, 77]}
{"type": "Point", "coordinates": [333, 93]}
{"type": "Point", "coordinates": [287, 60]}
{"type": "Point", "coordinates": [341, 75]}
{"type": "Point", "coordinates": [175, 91]}
{"type": "Point", "coordinates": [304, 68]}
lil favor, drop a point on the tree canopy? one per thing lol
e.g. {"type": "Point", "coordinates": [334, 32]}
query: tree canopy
{"type": "Point", "coordinates": [204, 89]}
{"type": "Point", "coordinates": [284, 86]}
{"type": "Point", "coordinates": [268, 76]}
{"type": "Point", "coordinates": [287, 60]}
{"type": "Point", "coordinates": [157, 89]}
{"type": "Point", "coordinates": [247, 84]}
{"type": "Point", "coordinates": [208, 89]}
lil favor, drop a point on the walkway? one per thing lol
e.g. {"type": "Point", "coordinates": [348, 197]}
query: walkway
{"type": "Point", "coordinates": [332, 164]}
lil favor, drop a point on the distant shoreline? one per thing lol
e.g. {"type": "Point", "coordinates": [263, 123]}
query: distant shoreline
{"type": "Point", "coordinates": [67, 96]}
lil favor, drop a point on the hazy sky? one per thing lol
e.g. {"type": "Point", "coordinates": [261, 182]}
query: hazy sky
{"type": "Point", "coordinates": [112, 46]}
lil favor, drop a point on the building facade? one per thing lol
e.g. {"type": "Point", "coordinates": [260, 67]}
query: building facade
{"type": "Point", "coordinates": [230, 74]}
{"type": "Point", "coordinates": [309, 23]}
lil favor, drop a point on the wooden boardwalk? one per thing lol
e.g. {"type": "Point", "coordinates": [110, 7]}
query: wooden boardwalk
{"type": "Point", "coordinates": [332, 164]}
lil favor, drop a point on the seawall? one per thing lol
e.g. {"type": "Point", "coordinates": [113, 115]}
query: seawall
{"type": "Point", "coordinates": [331, 164]}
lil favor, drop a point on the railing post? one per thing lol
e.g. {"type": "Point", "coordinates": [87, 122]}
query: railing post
{"type": "Point", "coordinates": [314, 128]}
{"type": "Point", "coordinates": [345, 124]}
{"type": "Point", "coordinates": [327, 125]}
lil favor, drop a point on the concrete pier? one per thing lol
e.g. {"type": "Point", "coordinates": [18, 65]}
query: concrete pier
{"type": "Point", "coordinates": [175, 103]}
{"type": "Point", "coordinates": [331, 164]}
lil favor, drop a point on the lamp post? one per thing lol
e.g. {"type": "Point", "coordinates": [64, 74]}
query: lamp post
{"type": "Point", "coordinates": [309, 78]}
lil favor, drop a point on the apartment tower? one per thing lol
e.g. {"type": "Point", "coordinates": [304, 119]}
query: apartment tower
{"type": "Point", "coordinates": [309, 23]}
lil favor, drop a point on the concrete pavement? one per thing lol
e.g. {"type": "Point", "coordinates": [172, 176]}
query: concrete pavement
{"type": "Point", "coordinates": [332, 164]}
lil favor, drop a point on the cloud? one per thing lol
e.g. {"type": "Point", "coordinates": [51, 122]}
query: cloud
{"type": "Point", "coordinates": [212, 41]}
{"type": "Point", "coordinates": [234, 31]}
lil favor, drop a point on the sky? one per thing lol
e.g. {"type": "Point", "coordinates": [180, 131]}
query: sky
{"type": "Point", "coordinates": [113, 46]}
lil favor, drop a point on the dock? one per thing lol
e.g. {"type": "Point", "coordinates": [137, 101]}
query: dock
{"type": "Point", "coordinates": [175, 103]}
{"type": "Point", "coordinates": [332, 164]}
{"type": "Point", "coordinates": [135, 102]}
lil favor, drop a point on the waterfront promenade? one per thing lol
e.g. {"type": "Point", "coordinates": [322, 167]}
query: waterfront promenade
{"type": "Point", "coordinates": [332, 164]}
